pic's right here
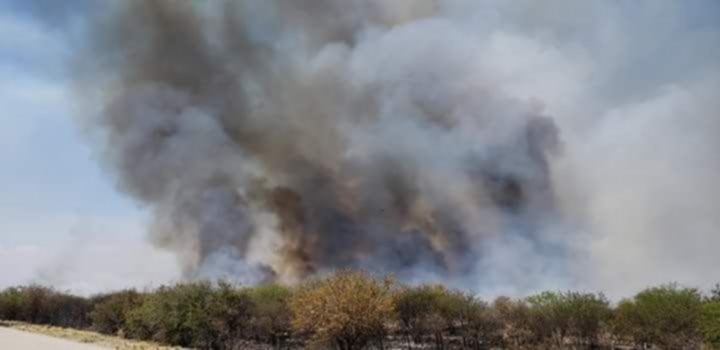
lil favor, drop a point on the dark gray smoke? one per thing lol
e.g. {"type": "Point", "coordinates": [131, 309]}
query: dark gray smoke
{"type": "Point", "coordinates": [281, 139]}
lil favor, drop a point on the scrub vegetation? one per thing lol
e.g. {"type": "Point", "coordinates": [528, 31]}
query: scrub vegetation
{"type": "Point", "coordinates": [353, 310]}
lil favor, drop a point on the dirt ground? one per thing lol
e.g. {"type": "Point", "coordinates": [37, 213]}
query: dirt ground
{"type": "Point", "coordinates": [18, 335]}
{"type": "Point", "coordinates": [15, 339]}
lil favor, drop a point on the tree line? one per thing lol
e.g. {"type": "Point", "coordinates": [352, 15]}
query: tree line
{"type": "Point", "coordinates": [353, 310]}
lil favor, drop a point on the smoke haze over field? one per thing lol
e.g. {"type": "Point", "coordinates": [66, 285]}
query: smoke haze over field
{"type": "Point", "coordinates": [503, 147]}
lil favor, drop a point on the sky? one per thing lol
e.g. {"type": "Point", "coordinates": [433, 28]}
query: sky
{"type": "Point", "coordinates": [62, 222]}
{"type": "Point", "coordinates": [633, 85]}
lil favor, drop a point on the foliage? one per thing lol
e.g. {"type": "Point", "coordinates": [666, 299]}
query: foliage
{"type": "Point", "coordinates": [43, 305]}
{"type": "Point", "coordinates": [270, 314]}
{"type": "Point", "coordinates": [710, 323]}
{"type": "Point", "coordinates": [416, 309]}
{"type": "Point", "coordinates": [111, 310]}
{"type": "Point", "coordinates": [549, 317]}
{"type": "Point", "coordinates": [455, 313]}
{"type": "Point", "coordinates": [11, 304]}
{"type": "Point", "coordinates": [590, 313]}
{"type": "Point", "coordinates": [667, 316]}
{"type": "Point", "coordinates": [347, 310]}
{"type": "Point", "coordinates": [481, 325]}
{"type": "Point", "coordinates": [196, 315]}
{"type": "Point", "coordinates": [230, 312]}
{"type": "Point", "coordinates": [555, 317]}
{"type": "Point", "coordinates": [350, 310]}
{"type": "Point", "coordinates": [433, 310]}
{"type": "Point", "coordinates": [516, 320]}
{"type": "Point", "coordinates": [175, 315]}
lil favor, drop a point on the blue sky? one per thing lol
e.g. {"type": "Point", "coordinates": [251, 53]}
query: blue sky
{"type": "Point", "coordinates": [56, 204]}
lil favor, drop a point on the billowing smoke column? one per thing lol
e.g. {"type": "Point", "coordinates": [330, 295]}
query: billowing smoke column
{"type": "Point", "coordinates": [283, 139]}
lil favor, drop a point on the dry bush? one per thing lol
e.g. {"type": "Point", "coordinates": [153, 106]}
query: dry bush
{"type": "Point", "coordinates": [347, 310]}
{"type": "Point", "coordinates": [516, 321]}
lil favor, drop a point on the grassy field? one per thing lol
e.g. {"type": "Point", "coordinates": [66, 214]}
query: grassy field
{"type": "Point", "coordinates": [86, 337]}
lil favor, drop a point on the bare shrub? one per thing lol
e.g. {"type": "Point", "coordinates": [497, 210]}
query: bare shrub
{"type": "Point", "coordinates": [516, 320]}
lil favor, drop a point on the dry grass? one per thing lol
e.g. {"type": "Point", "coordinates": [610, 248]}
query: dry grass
{"type": "Point", "coordinates": [86, 337]}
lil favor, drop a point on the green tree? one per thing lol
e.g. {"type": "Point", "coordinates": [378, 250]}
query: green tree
{"type": "Point", "coordinates": [270, 318]}
{"type": "Point", "coordinates": [11, 304]}
{"type": "Point", "coordinates": [710, 323]}
{"type": "Point", "coordinates": [570, 316]}
{"type": "Point", "coordinates": [230, 313]}
{"type": "Point", "coordinates": [432, 310]}
{"type": "Point", "coordinates": [667, 316]}
{"type": "Point", "coordinates": [482, 326]}
{"type": "Point", "coordinates": [175, 315]}
{"type": "Point", "coordinates": [550, 317]}
{"type": "Point", "coordinates": [198, 315]}
{"type": "Point", "coordinates": [589, 314]}
{"type": "Point", "coordinates": [413, 307]}
{"type": "Point", "coordinates": [110, 312]}
{"type": "Point", "coordinates": [44, 305]}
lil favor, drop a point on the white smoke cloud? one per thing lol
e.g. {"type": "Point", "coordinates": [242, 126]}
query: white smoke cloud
{"type": "Point", "coordinates": [634, 89]}
{"type": "Point", "coordinates": [630, 88]}
{"type": "Point", "coordinates": [645, 185]}
{"type": "Point", "coordinates": [85, 256]}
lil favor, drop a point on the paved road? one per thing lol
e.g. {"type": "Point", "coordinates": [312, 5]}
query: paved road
{"type": "Point", "coordinates": [11, 339]}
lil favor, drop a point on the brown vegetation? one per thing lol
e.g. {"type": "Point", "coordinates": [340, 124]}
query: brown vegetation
{"type": "Point", "coordinates": [347, 310]}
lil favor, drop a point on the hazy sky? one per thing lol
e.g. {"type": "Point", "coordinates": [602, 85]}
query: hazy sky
{"type": "Point", "coordinates": [633, 85]}
{"type": "Point", "coordinates": [53, 194]}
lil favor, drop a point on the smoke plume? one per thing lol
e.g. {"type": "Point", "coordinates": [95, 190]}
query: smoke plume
{"type": "Point", "coordinates": [276, 140]}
